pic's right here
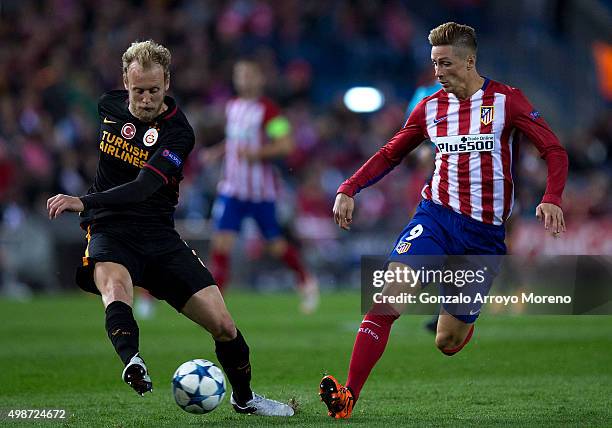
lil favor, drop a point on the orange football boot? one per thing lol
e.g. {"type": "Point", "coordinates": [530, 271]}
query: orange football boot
{"type": "Point", "coordinates": [338, 399]}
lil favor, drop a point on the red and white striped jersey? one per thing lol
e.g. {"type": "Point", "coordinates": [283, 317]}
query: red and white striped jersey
{"type": "Point", "coordinates": [476, 141]}
{"type": "Point", "coordinates": [246, 121]}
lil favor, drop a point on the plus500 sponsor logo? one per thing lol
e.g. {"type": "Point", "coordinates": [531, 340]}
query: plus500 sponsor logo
{"type": "Point", "coordinates": [465, 144]}
{"type": "Point", "coordinates": [468, 146]}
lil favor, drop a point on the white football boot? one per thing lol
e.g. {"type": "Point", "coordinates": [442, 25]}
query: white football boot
{"type": "Point", "coordinates": [137, 376]}
{"type": "Point", "coordinates": [262, 406]}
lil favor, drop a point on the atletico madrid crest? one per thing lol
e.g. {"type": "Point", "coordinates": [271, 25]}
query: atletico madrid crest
{"type": "Point", "coordinates": [486, 114]}
{"type": "Point", "coordinates": [402, 247]}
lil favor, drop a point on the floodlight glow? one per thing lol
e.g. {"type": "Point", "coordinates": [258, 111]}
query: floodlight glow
{"type": "Point", "coordinates": [363, 99]}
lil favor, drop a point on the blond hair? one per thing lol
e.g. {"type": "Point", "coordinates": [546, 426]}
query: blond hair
{"type": "Point", "coordinates": [451, 33]}
{"type": "Point", "coordinates": [146, 54]}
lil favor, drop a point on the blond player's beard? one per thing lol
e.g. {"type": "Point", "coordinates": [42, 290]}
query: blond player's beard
{"type": "Point", "coordinates": [147, 116]}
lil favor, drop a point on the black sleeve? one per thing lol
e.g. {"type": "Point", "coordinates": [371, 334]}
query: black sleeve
{"type": "Point", "coordinates": [170, 156]}
{"type": "Point", "coordinates": [146, 183]}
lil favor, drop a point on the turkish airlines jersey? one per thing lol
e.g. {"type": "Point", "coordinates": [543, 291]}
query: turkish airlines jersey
{"type": "Point", "coordinates": [246, 121]}
{"type": "Point", "coordinates": [476, 141]}
{"type": "Point", "coordinates": [127, 145]}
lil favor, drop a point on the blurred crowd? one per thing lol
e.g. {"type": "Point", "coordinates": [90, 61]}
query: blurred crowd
{"type": "Point", "coordinates": [59, 56]}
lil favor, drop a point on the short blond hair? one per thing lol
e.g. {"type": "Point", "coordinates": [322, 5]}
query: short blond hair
{"type": "Point", "coordinates": [146, 54]}
{"type": "Point", "coordinates": [451, 33]}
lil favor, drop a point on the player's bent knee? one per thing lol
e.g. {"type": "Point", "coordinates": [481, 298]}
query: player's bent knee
{"type": "Point", "coordinates": [114, 293]}
{"type": "Point", "coordinates": [114, 283]}
{"type": "Point", "coordinates": [448, 343]}
{"type": "Point", "coordinates": [113, 289]}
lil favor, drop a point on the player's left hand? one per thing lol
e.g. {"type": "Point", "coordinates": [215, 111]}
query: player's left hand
{"type": "Point", "coordinates": [553, 218]}
{"type": "Point", "coordinates": [59, 203]}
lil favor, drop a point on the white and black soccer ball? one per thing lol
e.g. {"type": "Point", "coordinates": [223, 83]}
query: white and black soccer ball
{"type": "Point", "coordinates": [198, 386]}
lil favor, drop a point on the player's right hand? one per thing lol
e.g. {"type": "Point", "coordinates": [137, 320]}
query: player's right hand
{"type": "Point", "coordinates": [59, 203]}
{"type": "Point", "coordinates": [343, 211]}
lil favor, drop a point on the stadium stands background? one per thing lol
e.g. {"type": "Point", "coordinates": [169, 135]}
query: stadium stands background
{"type": "Point", "coordinates": [58, 56]}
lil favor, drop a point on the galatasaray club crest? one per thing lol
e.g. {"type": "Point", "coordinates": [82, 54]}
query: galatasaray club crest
{"type": "Point", "coordinates": [402, 247]}
{"type": "Point", "coordinates": [486, 114]}
{"type": "Point", "coordinates": [150, 137]}
{"type": "Point", "coordinates": [128, 131]}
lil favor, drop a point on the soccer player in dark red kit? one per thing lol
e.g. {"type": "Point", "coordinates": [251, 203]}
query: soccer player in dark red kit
{"type": "Point", "coordinates": [256, 134]}
{"type": "Point", "coordinates": [128, 213]}
{"type": "Point", "coordinates": [473, 122]}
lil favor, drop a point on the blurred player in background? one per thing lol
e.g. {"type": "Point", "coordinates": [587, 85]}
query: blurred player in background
{"type": "Point", "coordinates": [256, 134]}
{"type": "Point", "coordinates": [128, 213]}
{"type": "Point", "coordinates": [144, 305]}
{"type": "Point", "coordinates": [466, 203]}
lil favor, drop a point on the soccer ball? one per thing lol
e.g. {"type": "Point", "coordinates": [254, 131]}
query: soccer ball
{"type": "Point", "coordinates": [198, 386]}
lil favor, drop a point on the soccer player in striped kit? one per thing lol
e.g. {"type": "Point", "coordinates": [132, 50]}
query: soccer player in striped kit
{"type": "Point", "coordinates": [473, 122]}
{"type": "Point", "coordinates": [256, 134]}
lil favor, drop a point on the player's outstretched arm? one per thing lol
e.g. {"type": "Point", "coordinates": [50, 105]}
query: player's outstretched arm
{"type": "Point", "coordinates": [388, 156]}
{"type": "Point", "coordinates": [552, 216]}
{"type": "Point", "coordinates": [59, 203]}
{"type": "Point", "coordinates": [343, 211]}
{"type": "Point", "coordinates": [145, 184]}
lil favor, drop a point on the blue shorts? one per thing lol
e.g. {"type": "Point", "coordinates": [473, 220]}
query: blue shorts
{"type": "Point", "coordinates": [228, 213]}
{"type": "Point", "coordinates": [435, 233]}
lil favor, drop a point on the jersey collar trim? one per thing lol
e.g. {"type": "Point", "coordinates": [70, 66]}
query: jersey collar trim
{"type": "Point", "coordinates": [485, 84]}
{"type": "Point", "coordinates": [169, 115]}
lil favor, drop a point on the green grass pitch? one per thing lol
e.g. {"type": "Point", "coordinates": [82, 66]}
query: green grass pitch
{"type": "Point", "coordinates": [517, 371]}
